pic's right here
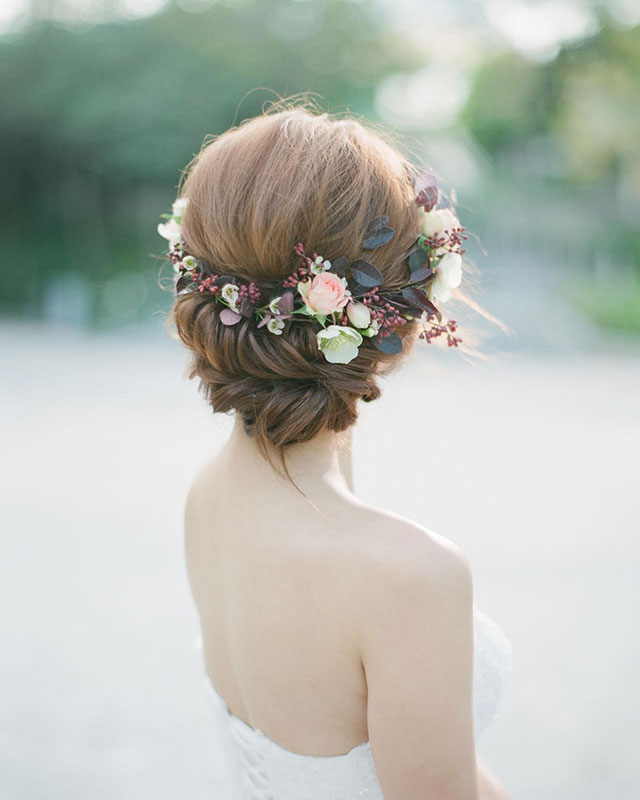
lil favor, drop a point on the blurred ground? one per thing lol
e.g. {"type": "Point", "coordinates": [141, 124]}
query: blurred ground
{"type": "Point", "coordinates": [530, 465]}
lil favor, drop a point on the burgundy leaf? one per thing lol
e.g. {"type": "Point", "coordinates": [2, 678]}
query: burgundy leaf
{"type": "Point", "coordinates": [418, 259]}
{"type": "Point", "coordinates": [229, 317]}
{"type": "Point", "coordinates": [426, 189]}
{"type": "Point", "coordinates": [383, 236]}
{"type": "Point", "coordinates": [422, 275]}
{"type": "Point", "coordinates": [183, 284]}
{"type": "Point", "coordinates": [391, 344]}
{"type": "Point", "coordinates": [339, 266]}
{"type": "Point", "coordinates": [401, 306]}
{"type": "Point", "coordinates": [376, 225]}
{"type": "Point", "coordinates": [285, 305]}
{"type": "Point", "coordinates": [366, 273]}
{"type": "Point", "coordinates": [378, 233]}
{"type": "Point", "coordinates": [428, 198]}
{"type": "Point", "coordinates": [276, 291]}
{"type": "Point", "coordinates": [419, 299]}
{"type": "Point", "coordinates": [222, 279]}
{"type": "Point", "coordinates": [246, 307]}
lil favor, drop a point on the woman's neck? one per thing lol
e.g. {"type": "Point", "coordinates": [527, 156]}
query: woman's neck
{"type": "Point", "coordinates": [324, 460]}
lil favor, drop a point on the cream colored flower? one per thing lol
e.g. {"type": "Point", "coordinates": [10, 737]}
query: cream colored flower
{"type": "Point", "coordinates": [188, 263]}
{"type": "Point", "coordinates": [373, 328]}
{"type": "Point", "coordinates": [177, 209]}
{"type": "Point", "coordinates": [320, 265]}
{"type": "Point", "coordinates": [448, 277]}
{"type": "Point", "coordinates": [229, 294]}
{"type": "Point", "coordinates": [273, 305]}
{"type": "Point", "coordinates": [339, 343]}
{"type": "Point", "coordinates": [359, 314]}
{"type": "Point", "coordinates": [275, 326]}
{"type": "Point", "coordinates": [439, 221]}
{"type": "Point", "coordinates": [170, 230]}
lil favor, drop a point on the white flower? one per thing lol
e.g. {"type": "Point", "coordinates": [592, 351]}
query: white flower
{"type": "Point", "coordinates": [273, 305]}
{"type": "Point", "coordinates": [373, 328]}
{"type": "Point", "coordinates": [229, 294]}
{"type": "Point", "coordinates": [339, 343]}
{"type": "Point", "coordinates": [177, 209]}
{"type": "Point", "coordinates": [275, 326]}
{"type": "Point", "coordinates": [436, 222]}
{"type": "Point", "coordinates": [320, 265]}
{"type": "Point", "coordinates": [448, 277]}
{"type": "Point", "coordinates": [170, 230]}
{"type": "Point", "coordinates": [188, 263]}
{"type": "Point", "coordinates": [359, 314]}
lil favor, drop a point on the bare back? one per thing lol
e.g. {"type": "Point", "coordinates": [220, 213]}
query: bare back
{"type": "Point", "coordinates": [277, 584]}
{"type": "Point", "coordinates": [331, 623]}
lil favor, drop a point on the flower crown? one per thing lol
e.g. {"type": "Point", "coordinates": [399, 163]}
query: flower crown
{"type": "Point", "coordinates": [345, 298]}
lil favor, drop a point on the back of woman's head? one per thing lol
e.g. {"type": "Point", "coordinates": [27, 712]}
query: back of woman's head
{"type": "Point", "coordinates": [287, 177]}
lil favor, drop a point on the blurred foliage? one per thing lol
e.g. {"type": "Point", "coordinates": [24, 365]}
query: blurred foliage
{"type": "Point", "coordinates": [586, 99]}
{"type": "Point", "coordinates": [98, 121]}
{"type": "Point", "coordinates": [619, 308]}
{"type": "Point", "coordinates": [564, 138]}
{"type": "Point", "coordinates": [511, 100]}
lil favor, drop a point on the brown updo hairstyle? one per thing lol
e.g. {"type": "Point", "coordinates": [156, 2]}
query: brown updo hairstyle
{"type": "Point", "coordinates": [291, 175]}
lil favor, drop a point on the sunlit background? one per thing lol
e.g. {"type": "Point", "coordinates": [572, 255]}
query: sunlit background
{"type": "Point", "coordinates": [530, 113]}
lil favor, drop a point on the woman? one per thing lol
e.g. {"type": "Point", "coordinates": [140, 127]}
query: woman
{"type": "Point", "coordinates": [340, 639]}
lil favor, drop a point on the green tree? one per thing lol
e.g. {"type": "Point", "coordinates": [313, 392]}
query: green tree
{"type": "Point", "coordinates": [97, 121]}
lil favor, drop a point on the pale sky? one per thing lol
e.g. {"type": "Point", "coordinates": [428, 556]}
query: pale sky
{"type": "Point", "coordinates": [537, 27]}
{"type": "Point", "coordinates": [454, 34]}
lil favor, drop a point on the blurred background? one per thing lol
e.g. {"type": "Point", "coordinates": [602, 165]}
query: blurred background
{"type": "Point", "coordinates": [529, 110]}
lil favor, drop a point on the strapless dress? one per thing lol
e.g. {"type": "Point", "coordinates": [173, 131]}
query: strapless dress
{"type": "Point", "coordinates": [264, 770]}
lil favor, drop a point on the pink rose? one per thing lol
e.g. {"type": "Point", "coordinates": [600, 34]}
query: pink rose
{"type": "Point", "coordinates": [325, 294]}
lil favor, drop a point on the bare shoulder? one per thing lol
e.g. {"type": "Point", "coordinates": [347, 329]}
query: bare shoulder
{"type": "Point", "coordinates": [405, 572]}
{"type": "Point", "coordinates": [205, 477]}
{"type": "Point", "coordinates": [208, 485]}
{"type": "Point", "coordinates": [195, 495]}
{"type": "Point", "coordinates": [416, 648]}
{"type": "Point", "coordinates": [401, 551]}
{"type": "Point", "coordinates": [198, 516]}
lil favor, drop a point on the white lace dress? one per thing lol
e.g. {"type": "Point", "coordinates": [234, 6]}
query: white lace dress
{"type": "Point", "coordinates": [266, 771]}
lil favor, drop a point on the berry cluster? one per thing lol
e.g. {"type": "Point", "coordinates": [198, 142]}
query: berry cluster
{"type": "Point", "coordinates": [456, 237]}
{"type": "Point", "coordinates": [435, 330]}
{"type": "Point", "coordinates": [449, 240]}
{"type": "Point", "coordinates": [176, 251]}
{"type": "Point", "coordinates": [206, 283]}
{"type": "Point", "coordinates": [249, 290]}
{"type": "Point", "coordinates": [383, 313]}
{"type": "Point", "coordinates": [304, 270]}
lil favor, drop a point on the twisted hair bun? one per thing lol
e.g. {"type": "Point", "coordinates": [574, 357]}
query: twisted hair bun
{"type": "Point", "coordinates": [254, 192]}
